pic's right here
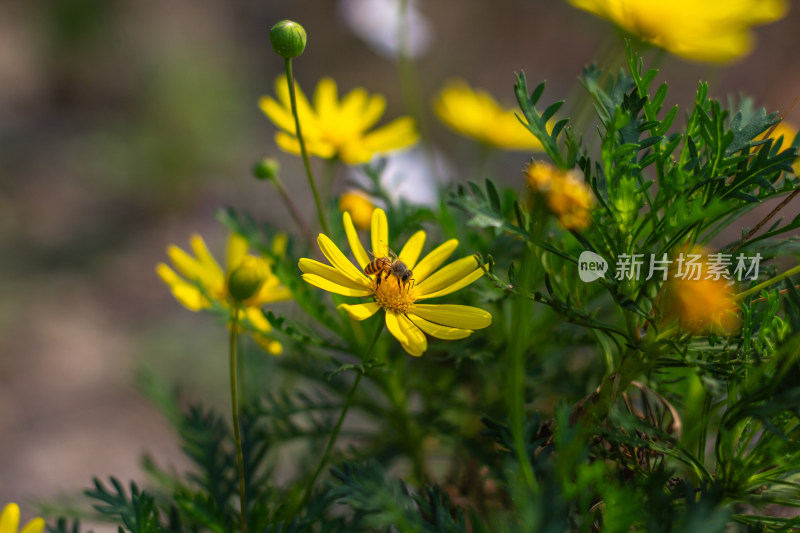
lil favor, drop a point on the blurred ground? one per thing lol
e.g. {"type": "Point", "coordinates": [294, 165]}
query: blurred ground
{"type": "Point", "coordinates": [123, 125]}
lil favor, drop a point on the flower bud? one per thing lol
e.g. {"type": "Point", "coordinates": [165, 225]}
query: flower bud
{"type": "Point", "coordinates": [288, 39]}
{"type": "Point", "coordinates": [266, 169]}
{"type": "Point", "coordinates": [246, 279]}
{"type": "Point", "coordinates": [359, 206]}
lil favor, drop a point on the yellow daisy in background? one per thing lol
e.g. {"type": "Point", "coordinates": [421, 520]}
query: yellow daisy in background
{"type": "Point", "coordinates": [337, 129]}
{"type": "Point", "coordinates": [788, 132]}
{"type": "Point", "coordinates": [9, 521]}
{"type": "Point", "coordinates": [715, 31]}
{"type": "Point", "coordinates": [406, 319]}
{"type": "Point", "coordinates": [476, 114]}
{"type": "Point", "coordinates": [568, 197]}
{"type": "Point", "coordinates": [205, 281]}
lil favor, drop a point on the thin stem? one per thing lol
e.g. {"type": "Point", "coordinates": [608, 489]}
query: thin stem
{"type": "Point", "coordinates": [320, 212]}
{"type": "Point", "coordinates": [293, 211]}
{"type": "Point", "coordinates": [766, 219]}
{"type": "Point", "coordinates": [771, 281]}
{"type": "Point", "coordinates": [348, 401]}
{"type": "Point", "coordinates": [235, 413]}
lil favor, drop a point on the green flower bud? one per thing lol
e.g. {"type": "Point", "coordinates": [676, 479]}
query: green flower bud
{"type": "Point", "coordinates": [246, 279]}
{"type": "Point", "coordinates": [288, 39]}
{"type": "Point", "coordinates": [266, 169]}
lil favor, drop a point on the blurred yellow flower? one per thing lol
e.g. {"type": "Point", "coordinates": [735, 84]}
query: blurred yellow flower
{"type": "Point", "coordinates": [788, 132]}
{"type": "Point", "coordinates": [205, 281]}
{"type": "Point", "coordinates": [567, 196]}
{"type": "Point", "coordinates": [337, 129]}
{"type": "Point", "coordinates": [476, 114]}
{"type": "Point", "coordinates": [359, 206]}
{"type": "Point", "coordinates": [9, 521]}
{"type": "Point", "coordinates": [703, 305]}
{"type": "Point", "coordinates": [715, 31]}
{"type": "Point", "coordinates": [406, 319]}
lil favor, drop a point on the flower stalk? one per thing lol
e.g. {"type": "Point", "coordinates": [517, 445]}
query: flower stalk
{"type": "Point", "coordinates": [323, 222]}
{"type": "Point", "coordinates": [235, 414]}
{"type": "Point", "coordinates": [338, 427]}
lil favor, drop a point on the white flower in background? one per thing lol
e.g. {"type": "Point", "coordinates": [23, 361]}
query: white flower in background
{"type": "Point", "coordinates": [377, 22]}
{"type": "Point", "coordinates": [408, 176]}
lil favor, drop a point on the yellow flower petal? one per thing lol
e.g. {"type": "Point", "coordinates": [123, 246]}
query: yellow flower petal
{"type": "Point", "coordinates": [360, 311]}
{"type": "Point", "coordinates": [355, 243]}
{"type": "Point", "coordinates": [400, 133]}
{"type": "Point", "coordinates": [380, 234]}
{"type": "Point", "coordinates": [325, 284]}
{"type": "Point", "coordinates": [314, 146]}
{"type": "Point", "coordinates": [36, 525]}
{"type": "Point", "coordinates": [257, 319]}
{"type": "Point", "coordinates": [309, 266]}
{"type": "Point", "coordinates": [338, 260]}
{"type": "Point", "coordinates": [410, 252]}
{"type": "Point", "coordinates": [186, 293]}
{"type": "Point", "coordinates": [204, 256]}
{"type": "Point", "coordinates": [435, 258]}
{"type": "Point", "coordinates": [411, 337]}
{"type": "Point", "coordinates": [439, 331]}
{"type": "Point", "coordinates": [456, 316]}
{"type": "Point", "coordinates": [186, 264]}
{"type": "Point", "coordinates": [447, 275]}
{"type": "Point", "coordinates": [326, 101]}
{"type": "Point", "coordinates": [237, 249]}
{"type": "Point", "coordinates": [271, 346]}
{"type": "Point", "coordinates": [272, 291]}
{"type": "Point", "coordinates": [279, 115]}
{"type": "Point", "coordinates": [9, 520]}
{"type": "Point", "coordinates": [372, 111]}
{"type": "Point", "coordinates": [458, 285]}
{"type": "Point", "coordinates": [309, 122]}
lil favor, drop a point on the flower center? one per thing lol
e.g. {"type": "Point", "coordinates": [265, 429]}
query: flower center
{"type": "Point", "coordinates": [391, 293]}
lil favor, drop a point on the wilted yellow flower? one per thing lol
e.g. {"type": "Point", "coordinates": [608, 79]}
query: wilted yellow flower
{"type": "Point", "coordinates": [540, 175]}
{"type": "Point", "coordinates": [205, 281]}
{"type": "Point", "coordinates": [476, 114]}
{"type": "Point", "coordinates": [406, 319]}
{"type": "Point", "coordinates": [711, 30]}
{"type": "Point", "coordinates": [359, 206]}
{"type": "Point", "coordinates": [788, 132]}
{"type": "Point", "coordinates": [566, 194]}
{"type": "Point", "coordinates": [9, 521]}
{"type": "Point", "coordinates": [336, 129]}
{"type": "Point", "coordinates": [701, 301]}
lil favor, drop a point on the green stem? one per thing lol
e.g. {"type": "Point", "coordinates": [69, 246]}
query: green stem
{"type": "Point", "coordinates": [320, 212]}
{"type": "Point", "coordinates": [348, 401]}
{"type": "Point", "coordinates": [235, 413]}
{"type": "Point", "coordinates": [772, 281]}
{"type": "Point", "coordinates": [293, 210]}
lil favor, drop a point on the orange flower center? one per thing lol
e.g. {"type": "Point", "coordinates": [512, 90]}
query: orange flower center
{"type": "Point", "coordinates": [392, 294]}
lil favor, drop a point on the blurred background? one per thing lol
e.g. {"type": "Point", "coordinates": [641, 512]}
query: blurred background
{"type": "Point", "coordinates": [125, 124]}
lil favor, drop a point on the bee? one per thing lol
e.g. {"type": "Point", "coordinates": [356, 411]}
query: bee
{"type": "Point", "coordinates": [390, 266]}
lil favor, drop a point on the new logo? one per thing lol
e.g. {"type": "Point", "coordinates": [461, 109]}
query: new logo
{"type": "Point", "coordinates": [591, 266]}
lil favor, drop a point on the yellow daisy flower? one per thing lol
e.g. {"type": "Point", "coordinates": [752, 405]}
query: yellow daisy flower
{"type": "Point", "coordinates": [476, 114]}
{"type": "Point", "coordinates": [716, 31]}
{"type": "Point", "coordinates": [9, 521]}
{"type": "Point", "coordinates": [406, 319]}
{"type": "Point", "coordinates": [336, 129]}
{"type": "Point", "coordinates": [205, 281]}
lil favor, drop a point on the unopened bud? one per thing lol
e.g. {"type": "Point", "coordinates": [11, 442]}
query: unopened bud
{"type": "Point", "coordinates": [246, 279]}
{"type": "Point", "coordinates": [288, 39]}
{"type": "Point", "coordinates": [266, 169]}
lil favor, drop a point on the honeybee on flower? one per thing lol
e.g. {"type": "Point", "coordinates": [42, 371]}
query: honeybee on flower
{"type": "Point", "coordinates": [406, 318]}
